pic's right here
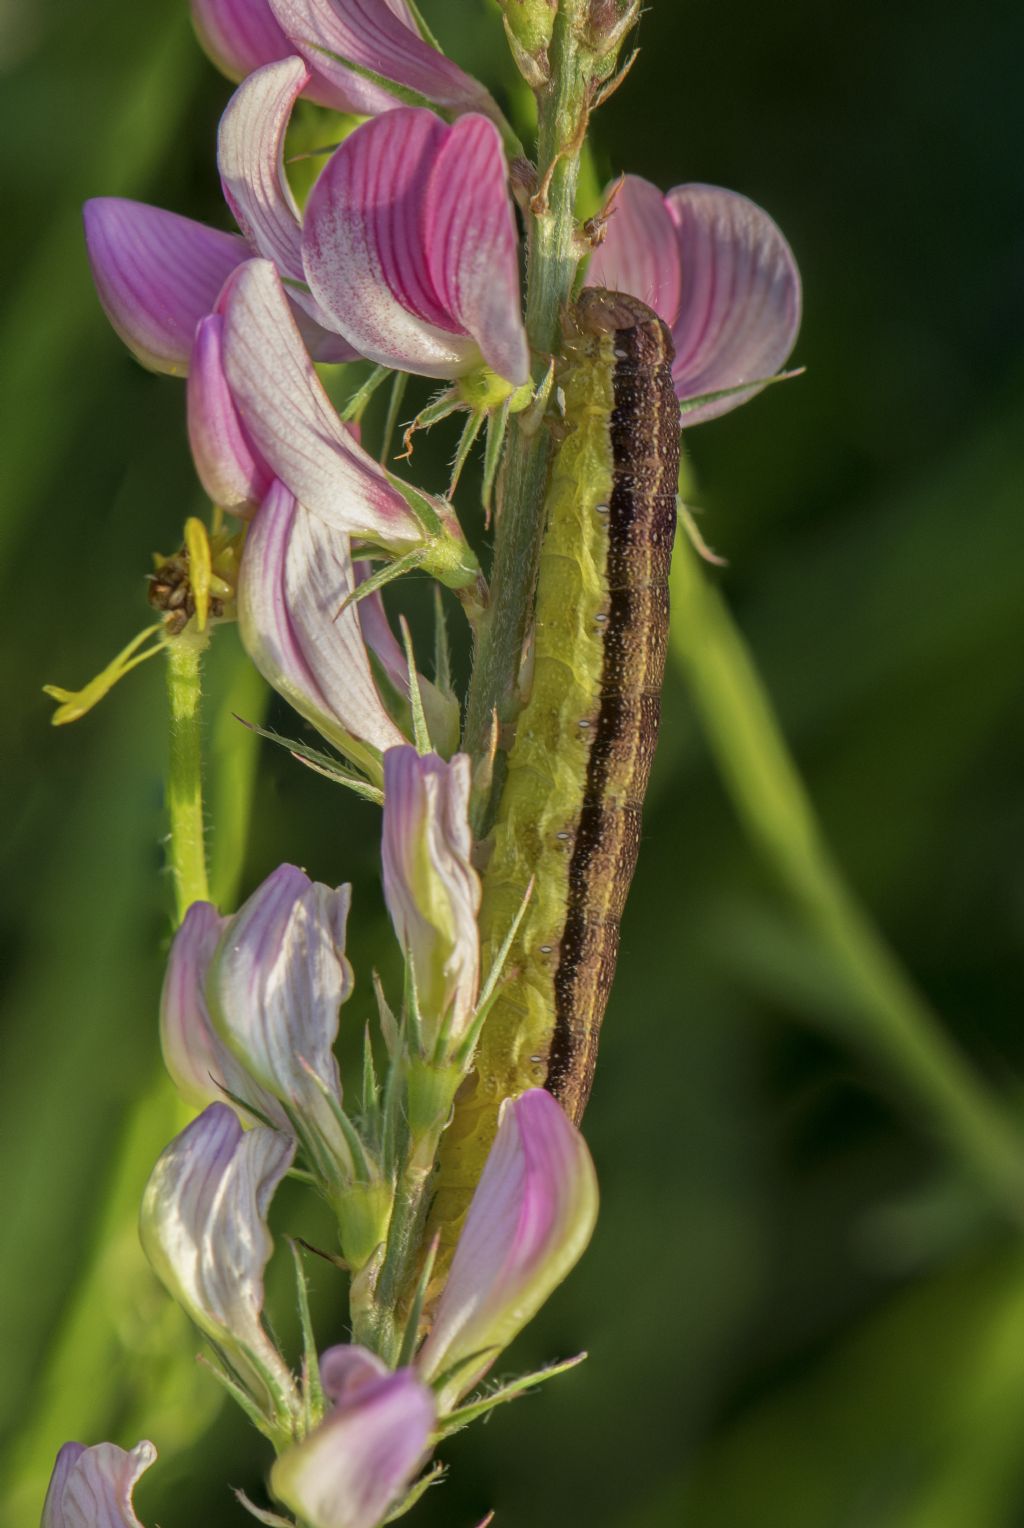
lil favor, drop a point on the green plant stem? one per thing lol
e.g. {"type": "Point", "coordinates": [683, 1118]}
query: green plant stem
{"type": "Point", "coordinates": [897, 1024]}
{"type": "Point", "coordinates": [187, 843]}
{"type": "Point", "coordinates": [553, 258]}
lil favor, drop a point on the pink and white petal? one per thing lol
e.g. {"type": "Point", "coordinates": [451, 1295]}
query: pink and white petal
{"type": "Point", "coordinates": [192, 1052]}
{"type": "Point", "coordinates": [296, 572]}
{"type": "Point", "coordinates": [472, 244]}
{"type": "Point", "coordinates": [361, 1458]}
{"type": "Point", "coordinates": [250, 157]}
{"type": "Point", "coordinates": [530, 1218]}
{"type": "Point", "coordinates": [321, 342]}
{"type": "Point", "coordinates": [365, 247]}
{"type": "Point", "coordinates": [291, 419]}
{"type": "Point", "coordinates": [640, 253]}
{"type": "Point", "coordinates": [740, 300]}
{"type": "Point", "coordinates": [226, 460]}
{"type": "Point", "coordinates": [379, 35]}
{"type": "Point", "coordinates": [53, 1509]}
{"type": "Point", "coordinates": [240, 35]}
{"type": "Point", "coordinates": [347, 1369]}
{"type": "Point", "coordinates": [278, 982]}
{"type": "Point", "coordinates": [96, 1487]}
{"type": "Point", "coordinates": [203, 1228]}
{"type": "Point", "coordinates": [202, 1068]}
{"type": "Point", "coordinates": [157, 275]}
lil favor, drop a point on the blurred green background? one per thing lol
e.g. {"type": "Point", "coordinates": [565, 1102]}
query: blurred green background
{"type": "Point", "coordinates": [805, 1301]}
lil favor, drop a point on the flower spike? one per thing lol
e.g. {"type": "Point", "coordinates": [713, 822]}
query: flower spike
{"type": "Point", "coordinates": [719, 272]}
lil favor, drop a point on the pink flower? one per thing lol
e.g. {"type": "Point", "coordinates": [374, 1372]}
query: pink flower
{"type": "Point", "coordinates": [528, 1223]}
{"type": "Point", "coordinates": [378, 37]}
{"type": "Point", "coordinates": [717, 269]}
{"type": "Point", "coordinates": [409, 245]}
{"type": "Point", "coordinates": [93, 1487]}
{"type": "Point", "coordinates": [361, 1459]}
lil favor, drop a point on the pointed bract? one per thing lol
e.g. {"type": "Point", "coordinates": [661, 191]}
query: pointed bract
{"type": "Point", "coordinates": [203, 1228]}
{"type": "Point", "coordinates": [157, 275]}
{"type": "Point", "coordinates": [363, 1456]}
{"type": "Point", "coordinates": [430, 886]}
{"type": "Point", "coordinates": [92, 1487]}
{"type": "Point", "coordinates": [528, 1223]}
{"type": "Point", "coordinates": [380, 36]}
{"type": "Point", "coordinates": [296, 573]}
{"type": "Point", "coordinates": [718, 271]}
{"type": "Point", "coordinates": [410, 245]}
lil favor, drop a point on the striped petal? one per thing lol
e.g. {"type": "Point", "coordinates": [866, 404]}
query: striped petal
{"type": "Point", "coordinates": [229, 466]}
{"type": "Point", "coordinates": [380, 36]}
{"type": "Point", "coordinates": [157, 275]}
{"type": "Point", "coordinates": [240, 35]}
{"type": "Point", "coordinates": [296, 572]}
{"type": "Point", "coordinates": [93, 1487]}
{"type": "Point", "coordinates": [202, 1067]}
{"type": "Point", "coordinates": [203, 1228]}
{"type": "Point", "coordinates": [409, 244]}
{"type": "Point", "coordinates": [718, 271]}
{"type": "Point", "coordinates": [528, 1223]}
{"type": "Point", "coordinates": [740, 303]}
{"type": "Point", "coordinates": [250, 157]}
{"type": "Point", "coordinates": [290, 418]}
{"type": "Point", "coordinates": [363, 1456]}
{"type": "Point", "coordinates": [279, 979]}
{"type": "Point", "coordinates": [640, 253]}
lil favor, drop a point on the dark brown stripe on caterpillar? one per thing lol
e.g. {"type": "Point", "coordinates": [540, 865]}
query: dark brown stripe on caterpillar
{"type": "Point", "coordinates": [569, 814]}
{"type": "Point", "coordinates": [644, 431]}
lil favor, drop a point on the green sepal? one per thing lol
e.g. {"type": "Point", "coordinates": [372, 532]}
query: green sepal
{"type": "Point", "coordinates": [321, 763]}
{"type": "Point", "coordinates": [270, 1519]}
{"type": "Point", "coordinates": [433, 1477]}
{"type": "Point", "coordinates": [690, 405]}
{"type": "Point", "coordinates": [463, 1415]}
{"type": "Point", "coordinates": [313, 1394]}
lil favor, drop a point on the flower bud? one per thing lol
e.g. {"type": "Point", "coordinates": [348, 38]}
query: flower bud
{"type": "Point", "coordinates": [275, 987]}
{"type": "Point", "coordinates": [360, 1460]}
{"type": "Point", "coordinates": [431, 888]}
{"type": "Point", "coordinates": [529, 1220]}
{"type": "Point", "coordinates": [528, 26]}
{"type": "Point", "coordinates": [92, 1487]}
{"type": "Point", "coordinates": [202, 1067]}
{"type": "Point", "coordinates": [204, 1229]}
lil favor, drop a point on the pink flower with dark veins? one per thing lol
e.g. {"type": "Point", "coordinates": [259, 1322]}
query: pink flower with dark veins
{"type": "Point", "coordinates": [717, 269]}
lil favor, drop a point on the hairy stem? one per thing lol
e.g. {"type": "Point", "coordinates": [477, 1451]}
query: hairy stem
{"type": "Point", "coordinates": [187, 846]}
{"type": "Point", "coordinates": [553, 258]}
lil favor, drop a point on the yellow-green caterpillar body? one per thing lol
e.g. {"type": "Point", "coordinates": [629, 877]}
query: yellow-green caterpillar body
{"type": "Point", "coordinates": [569, 815]}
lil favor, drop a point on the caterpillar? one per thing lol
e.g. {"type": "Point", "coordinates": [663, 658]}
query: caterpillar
{"type": "Point", "coordinates": [578, 768]}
